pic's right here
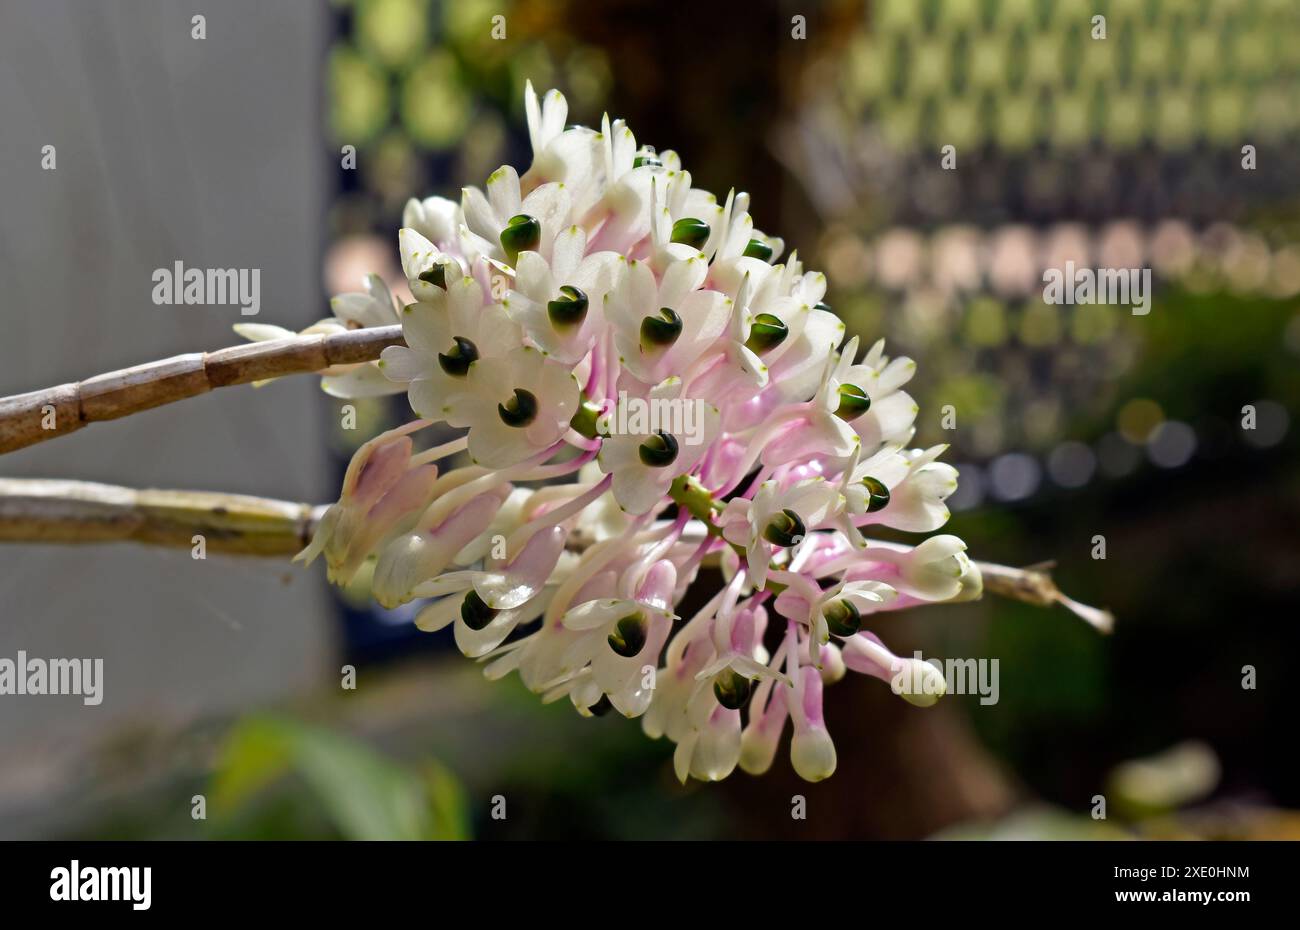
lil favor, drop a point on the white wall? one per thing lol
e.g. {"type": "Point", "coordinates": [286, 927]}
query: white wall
{"type": "Point", "coordinates": [167, 148]}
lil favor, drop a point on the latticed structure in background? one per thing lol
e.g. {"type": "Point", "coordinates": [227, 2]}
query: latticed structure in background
{"type": "Point", "coordinates": [1119, 152]}
{"type": "Point", "coordinates": [430, 98]}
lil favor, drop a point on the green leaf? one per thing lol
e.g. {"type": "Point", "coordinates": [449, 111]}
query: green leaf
{"type": "Point", "coordinates": [364, 794]}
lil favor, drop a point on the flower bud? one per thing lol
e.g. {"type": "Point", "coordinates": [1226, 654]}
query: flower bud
{"type": "Point", "coordinates": [812, 752]}
{"type": "Point", "coordinates": [918, 682]}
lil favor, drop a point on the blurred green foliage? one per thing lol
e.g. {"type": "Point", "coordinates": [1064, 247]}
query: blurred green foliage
{"type": "Point", "coordinates": [362, 795]}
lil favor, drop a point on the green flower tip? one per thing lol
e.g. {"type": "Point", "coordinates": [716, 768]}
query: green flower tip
{"type": "Point", "coordinates": [629, 635]}
{"type": "Point", "coordinates": [854, 402]}
{"type": "Point", "coordinates": [475, 611]}
{"type": "Point", "coordinates": [569, 309]}
{"type": "Point", "coordinates": [520, 410]}
{"type": "Point", "coordinates": [456, 362]}
{"type": "Point", "coordinates": [659, 451]}
{"type": "Point", "coordinates": [766, 334]}
{"type": "Point", "coordinates": [878, 498]}
{"type": "Point", "coordinates": [661, 330]}
{"type": "Point", "coordinates": [759, 249]}
{"type": "Point", "coordinates": [523, 233]}
{"type": "Point", "coordinates": [690, 231]}
{"type": "Point", "coordinates": [785, 529]}
{"type": "Point", "coordinates": [731, 689]}
{"type": "Point", "coordinates": [842, 618]}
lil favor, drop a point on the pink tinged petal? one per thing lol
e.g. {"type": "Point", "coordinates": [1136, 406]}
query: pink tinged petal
{"type": "Point", "coordinates": [812, 697]}
{"type": "Point", "coordinates": [393, 438]}
{"type": "Point", "coordinates": [419, 557]}
{"type": "Point", "coordinates": [865, 653]}
{"type": "Point", "coordinates": [816, 434]}
{"type": "Point", "coordinates": [402, 502]}
{"type": "Point", "coordinates": [526, 575]}
{"type": "Point", "coordinates": [759, 741]}
{"type": "Point", "coordinates": [793, 606]}
{"type": "Point", "coordinates": [379, 465]}
{"type": "Point", "coordinates": [812, 752]}
{"type": "Point", "coordinates": [656, 589]}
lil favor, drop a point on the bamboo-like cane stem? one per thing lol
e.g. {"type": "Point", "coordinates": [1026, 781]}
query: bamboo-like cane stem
{"type": "Point", "coordinates": [26, 419]}
{"type": "Point", "coordinates": [35, 510]}
{"type": "Point", "coordinates": [48, 511]}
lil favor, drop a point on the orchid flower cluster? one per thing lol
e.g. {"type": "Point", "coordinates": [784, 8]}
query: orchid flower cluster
{"type": "Point", "coordinates": [601, 326]}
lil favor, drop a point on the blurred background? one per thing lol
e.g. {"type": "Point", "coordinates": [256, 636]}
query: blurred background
{"type": "Point", "coordinates": [222, 676]}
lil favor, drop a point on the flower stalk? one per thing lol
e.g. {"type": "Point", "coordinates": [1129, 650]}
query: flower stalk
{"type": "Point", "coordinates": [43, 511]}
